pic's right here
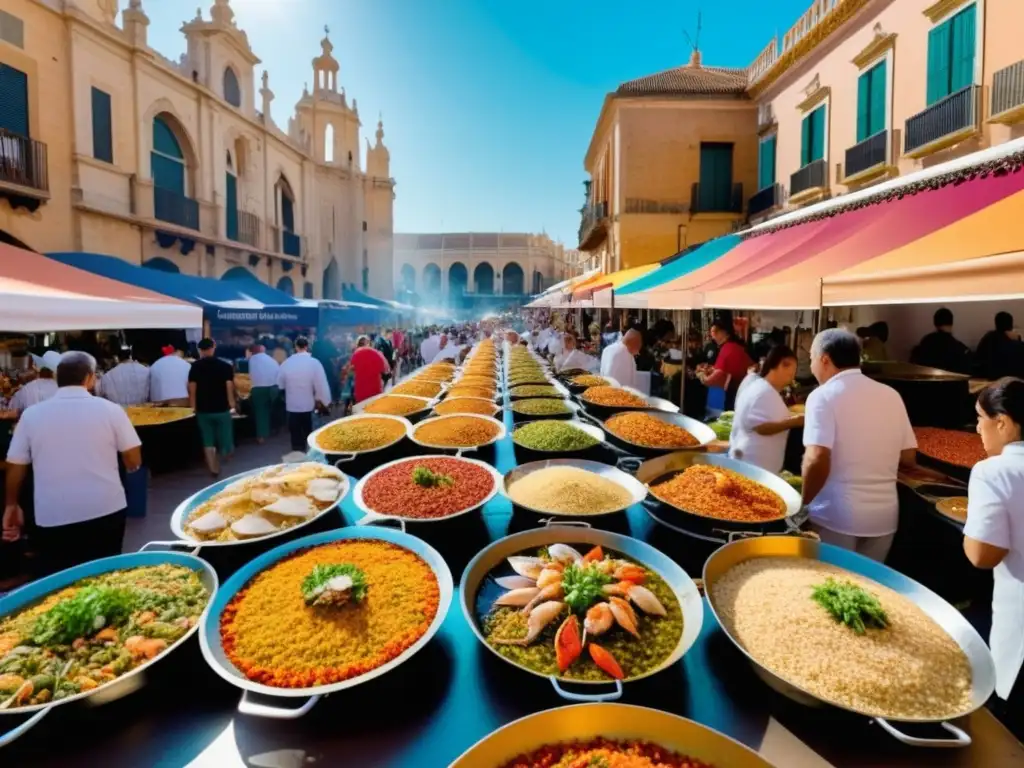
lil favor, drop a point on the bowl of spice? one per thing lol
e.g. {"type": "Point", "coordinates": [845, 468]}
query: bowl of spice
{"type": "Point", "coordinates": [458, 432]}
{"type": "Point", "coordinates": [571, 488]}
{"type": "Point", "coordinates": [425, 489]}
{"type": "Point", "coordinates": [951, 451]}
{"type": "Point", "coordinates": [523, 391]}
{"type": "Point", "coordinates": [653, 433]}
{"type": "Point", "coordinates": [418, 388]}
{"type": "Point", "coordinates": [542, 408]}
{"type": "Point", "coordinates": [351, 436]}
{"type": "Point", "coordinates": [548, 439]}
{"type": "Point", "coordinates": [468, 390]}
{"type": "Point", "coordinates": [480, 405]}
{"type": "Point", "coordinates": [602, 401]}
{"type": "Point", "coordinates": [408, 406]}
{"type": "Point", "coordinates": [583, 382]}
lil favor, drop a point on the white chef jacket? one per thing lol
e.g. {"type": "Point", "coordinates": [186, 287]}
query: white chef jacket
{"type": "Point", "coordinates": [126, 384]}
{"type": "Point", "coordinates": [72, 441]}
{"type": "Point", "coordinates": [576, 359]}
{"type": "Point", "coordinates": [866, 426]}
{"type": "Point", "coordinates": [618, 363]}
{"type": "Point", "coordinates": [168, 379]}
{"type": "Point", "coordinates": [758, 403]}
{"type": "Point", "coordinates": [450, 352]}
{"type": "Point", "coordinates": [555, 344]}
{"type": "Point", "coordinates": [429, 348]}
{"type": "Point", "coordinates": [304, 381]}
{"type": "Point", "coordinates": [36, 391]}
{"type": "Point", "coordinates": [263, 370]}
{"type": "Point", "coordinates": [995, 515]}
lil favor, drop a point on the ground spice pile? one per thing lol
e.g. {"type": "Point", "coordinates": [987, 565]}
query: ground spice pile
{"type": "Point", "coordinates": [456, 432]}
{"type": "Point", "coordinates": [554, 436]}
{"type": "Point", "coordinates": [396, 405]}
{"type": "Point", "coordinates": [568, 491]}
{"type": "Point", "coordinates": [417, 388]}
{"type": "Point", "coordinates": [465, 405]}
{"type": "Point", "coordinates": [359, 435]}
{"type": "Point", "coordinates": [460, 390]}
{"type": "Point", "coordinates": [613, 397]}
{"type": "Point", "coordinates": [541, 406]}
{"type": "Point", "coordinates": [394, 490]}
{"type": "Point", "coordinates": [720, 493]}
{"type": "Point", "coordinates": [272, 637]}
{"type": "Point", "coordinates": [964, 449]}
{"type": "Point", "coordinates": [646, 430]}
{"type": "Point", "coordinates": [532, 390]}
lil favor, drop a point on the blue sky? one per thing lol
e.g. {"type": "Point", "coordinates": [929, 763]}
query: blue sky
{"type": "Point", "coordinates": [488, 104]}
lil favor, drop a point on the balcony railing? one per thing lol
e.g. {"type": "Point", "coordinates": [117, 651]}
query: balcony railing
{"type": "Point", "coordinates": [765, 199]}
{"type": "Point", "coordinates": [644, 205]}
{"type": "Point", "coordinates": [716, 199]}
{"type": "Point", "coordinates": [175, 208]}
{"type": "Point", "coordinates": [287, 242]}
{"type": "Point", "coordinates": [23, 162]}
{"type": "Point", "coordinates": [592, 225]}
{"type": "Point", "coordinates": [814, 175]}
{"type": "Point", "coordinates": [954, 114]}
{"type": "Point", "coordinates": [871, 152]}
{"type": "Point", "coordinates": [1008, 89]}
{"type": "Point", "coordinates": [247, 229]}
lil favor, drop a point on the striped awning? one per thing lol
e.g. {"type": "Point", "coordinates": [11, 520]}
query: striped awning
{"type": "Point", "coordinates": [613, 280]}
{"type": "Point", "coordinates": [677, 268]}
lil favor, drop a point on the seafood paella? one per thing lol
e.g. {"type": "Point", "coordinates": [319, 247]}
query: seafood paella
{"type": "Point", "coordinates": [591, 617]}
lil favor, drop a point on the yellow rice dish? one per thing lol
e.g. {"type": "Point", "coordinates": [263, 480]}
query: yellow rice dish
{"type": "Point", "coordinates": [148, 415]}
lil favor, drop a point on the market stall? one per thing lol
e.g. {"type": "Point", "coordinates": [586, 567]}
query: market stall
{"type": "Point", "coordinates": [378, 722]}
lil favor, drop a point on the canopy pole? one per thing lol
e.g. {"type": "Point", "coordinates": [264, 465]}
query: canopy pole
{"type": "Point", "coordinates": [684, 325]}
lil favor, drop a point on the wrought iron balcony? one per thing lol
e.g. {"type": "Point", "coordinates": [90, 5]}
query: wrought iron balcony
{"type": "Point", "coordinates": [175, 208]}
{"type": "Point", "coordinates": [1008, 93]}
{"type": "Point", "coordinates": [593, 225]}
{"type": "Point", "coordinates": [716, 199]}
{"type": "Point", "coordinates": [291, 244]}
{"type": "Point", "coordinates": [945, 121]}
{"type": "Point", "coordinates": [814, 175]}
{"type": "Point", "coordinates": [23, 162]}
{"type": "Point", "coordinates": [867, 154]}
{"type": "Point", "coordinates": [645, 205]}
{"type": "Point", "coordinates": [765, 199]}
{"type": "Point", "coordinates": [246, 229]}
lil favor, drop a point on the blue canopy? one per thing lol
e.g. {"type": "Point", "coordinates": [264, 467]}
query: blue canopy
{"type": "Point", "coordinates": [349, 292]}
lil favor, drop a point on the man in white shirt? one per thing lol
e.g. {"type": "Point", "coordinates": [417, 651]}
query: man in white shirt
{"type": "Point", "coordinates": [72, 441]}
{"type": "Point", "coordinates": [617, 360]}
{"type": "Point", "coordinates": [857, 435]}
{"type": "Point", "coordinates": [430, 346]}
{"type": "Point", "coordinates": [448, 350]}
{"type": "Point", "coordinates": [42, 388]}
{"type": "Point", "coordinates": [572, 359]}
{"type": "Point", "coordinates": [127, 383]}
{"type": "Point", "coordinates": [263, 373]}
{"type": "Point", "coordinates": [168, 378]}
{"type": "Point", "coordinates": [304, 382]}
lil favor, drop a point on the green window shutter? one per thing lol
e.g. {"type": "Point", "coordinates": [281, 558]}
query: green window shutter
{"type": "Point", "coordinates": [168, 173]}
{"type": "Point", "coordinates": [876, 100]}
{"type": "Point", "coordinates": [766, 163]}
{"type": "Point", "coordinates": [805, 141]}
{"type": "Point", "coordinates": [715, 176]}
{"type": "Point", "coordinates": [772, 159]}
{"type": "Point", "coordinates": [13, 100]}
{"type": "Point", "coordinates": [964, 41]}
{"type": "Point", "coordinates": [863, 109]}
{"type": "Point", "coordinates": [815, 135]}
{"type": "Point", "coordinates": [231, 206]}
{"type": "Point", "coordinates": [939, 50]}
{"type": "Point", "coordinates": [102, 130]}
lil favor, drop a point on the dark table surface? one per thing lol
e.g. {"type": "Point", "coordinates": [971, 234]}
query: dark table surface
{"type": "Point", "coordinates": [454, 692]}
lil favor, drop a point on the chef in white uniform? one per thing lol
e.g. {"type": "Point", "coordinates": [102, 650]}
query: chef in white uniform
{"type": "Point", "coordinates": [571, 358]}
{"type": "Point", "coordinates": [762, 422]}
{"type": "Point", "coordinates": [617, 360]}
{"type": "Point", "coordinates": [994, 535]}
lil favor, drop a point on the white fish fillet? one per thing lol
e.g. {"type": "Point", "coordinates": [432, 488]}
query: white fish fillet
{"type": "Point", "coordinates": [252, 525]}
{"type": "Point", "coordinates": [292, 506]}
{"type": "Point", "coordinates": [210, 522]}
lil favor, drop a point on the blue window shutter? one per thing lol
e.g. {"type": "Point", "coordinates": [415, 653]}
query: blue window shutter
{"type": "Point", "coordinates": [231, 206]}
{"type": "Point", "coordinates": [307, 291]}
{"type": "Point", "coordinates": [964, 41]}
{"type": "Point", "coordinates": [164, 140]}
{"type": "Point", "coordinates": [876, 99]}
{"type": "Point", "coordinates": [102, 129]}
{"type": "Point", "coordinates": [863, 110]}
{"type": "Point", "coordinates": [287, 214]}
{"type": "Point", "coordinates": [13, 100]}
{"type": "Point", "coordinates": [168, 173]}
{"type": "Point", "coordinates": [939, 45]}
{"type": "Point", "coordinates": [805, 140]}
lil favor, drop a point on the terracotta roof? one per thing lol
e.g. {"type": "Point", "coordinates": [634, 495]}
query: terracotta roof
{"type": "Point", "coordinates": [688, 80]}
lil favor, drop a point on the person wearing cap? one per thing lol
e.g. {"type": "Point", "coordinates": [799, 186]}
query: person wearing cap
{"type": "Point", "coordinates": [168, 378]}
{"type": "Point", "coordinates": [211, 394]}
{"type": "Point", "coordinates": [304, 381]}
{"type": "Point", "coordinates": [72, 442]}
{"type": "Point", "coordinates": [263, 371]}
{"type": "Point", "coordinates": [41, 388]}
{"type": "Point", "coordinates": [128, 382]}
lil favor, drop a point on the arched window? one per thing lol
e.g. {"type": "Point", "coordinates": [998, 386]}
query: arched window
{"type": "Point", "coordinates": [232, 93]}
{"type": "Point", "coordinates": [286, 212]}
{"type": "Point", "coordinates": [167, 161]}
{"type": "Point", "coordinates": [238, 273]}
{"type": "Point", "coordinates": [432, 279]}
{"type": "Point", "coordinates": [457, 279]}
{"type": "Point", "coordinates": [331, 287]}
{"type": "Point", "coordinates": [329, 143]}
{"type": "Point", "coordinates": [483, 278]}
{"type": "Point", "coordinates": [512, 280]}
{"type": "Point", "coordinates": [285, 284]}
{"type": "Point", "coordinates": [231, 200]}
{"type": "Point", "coordinates": [162, 265]}
{"type": "Point", "coordinates": [409, 278]}
{"type": "Point", "coordinates": [538, 282]}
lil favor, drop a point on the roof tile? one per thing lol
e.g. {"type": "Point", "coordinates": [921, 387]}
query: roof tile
{"type": "Point", "coordinates": [688, 80]}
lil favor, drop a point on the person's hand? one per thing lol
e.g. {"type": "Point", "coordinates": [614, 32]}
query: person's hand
{"type": "Point", "coordinates": [14, 521]}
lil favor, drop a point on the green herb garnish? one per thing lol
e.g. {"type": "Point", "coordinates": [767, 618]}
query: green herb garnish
{"type": "Point", "coordinates": [430, 479]}
{"type": "Point", "coordinates": [582, 586]}
{"type": "Point", "coordinates": [317, 587]}
{"type": "Point", "coordinates": [851, 605]}
{"type": "Point", "coordinates": [89, 610]}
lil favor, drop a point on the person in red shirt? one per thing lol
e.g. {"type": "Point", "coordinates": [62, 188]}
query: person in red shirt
{"type": "Point", "coordinates": [368, 366]}
{"type": "Point", "coordinates": [731, 363]}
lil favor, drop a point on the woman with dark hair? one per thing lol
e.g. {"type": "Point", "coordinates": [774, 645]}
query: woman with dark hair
{"type": "Point", "coordinates": [762, 420]}
{"type": "Point", "coordinates": [994, 535]}
{"type": "Point", "coordinates": [730, 364]}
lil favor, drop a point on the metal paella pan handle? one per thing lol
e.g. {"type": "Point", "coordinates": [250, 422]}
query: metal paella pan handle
{"type": "Point", "coordinates": [175, 544]}
{"type": "Point", "coordinates": [961, 737]}
{"type": "Point", "coordinates": [345, 457]}
{"type": "Point", "coordinates": [374, 519]}
{"type": "Point", "coordinates": [589, 697]}
{"type": "Point", "coordinates": [16, 733]}
{"type": "Point", "coordinates": [553, 521]}
{"type": "Point", "coordinates": [247, 706]}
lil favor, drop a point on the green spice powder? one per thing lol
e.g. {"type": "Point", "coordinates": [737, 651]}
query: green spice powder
{"type": "Point", "coordinates": [552, 436]}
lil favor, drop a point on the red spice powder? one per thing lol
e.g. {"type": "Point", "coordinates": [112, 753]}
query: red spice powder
{"type": "Point", "coordinates": [394, 492]}
{"type": "Point", "coordinates": [964, 449]}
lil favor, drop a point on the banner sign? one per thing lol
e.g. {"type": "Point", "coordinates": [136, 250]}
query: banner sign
{"type": "Point", "coordinates": [305, 316]}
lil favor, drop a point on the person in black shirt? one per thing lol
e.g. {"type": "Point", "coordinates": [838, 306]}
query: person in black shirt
{"type": "Point", "coordinates": [1000, 352]}
{"type": "Point", "coordinates": [940, 349]}
{"type": "Point", "coordinates": [211, 394]}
